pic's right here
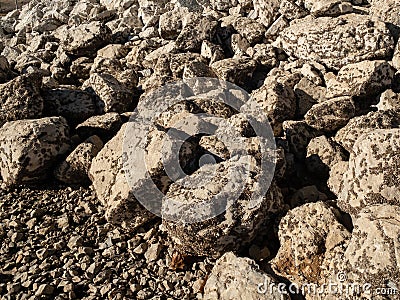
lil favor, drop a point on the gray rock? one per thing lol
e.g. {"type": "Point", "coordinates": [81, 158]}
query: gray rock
{"type": "Point", "coordinates": [20, 99]}
{"type": "Point", "coordinates": [330, 40]}
{"type": "Point", "coordinates": [331, 115]}
{"type": "Point", "coordinates": [28, 148]}
{"type": "Point", "coordinates": [373, 175]}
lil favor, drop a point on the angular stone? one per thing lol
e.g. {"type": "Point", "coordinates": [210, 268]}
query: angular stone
{"type": "Point", "coordinates": [75, 168]}
{"type": "Point", "coordinates": [29, 148]}
{"type": "Point", "coordinates": [335, 181]}
{"type": "Point", "coordinates": [373, 173]}
{"type": "Point", "coordinates": [74, 105]}
{"type": "Point", "coordinates": [251, 30]}
{"type": "Point", "coordinates": [85, 39]}
{"type": "Point", "coordinates": [327, 8]}
{"type": "Point", "coordinates": [348, 135]}
{"type": "Point", "coordinates": [366, 78]}
{"type": "Point", "coordinates": [312, 240]}
{"type": "Point", "coordinates": [308, 94]}
{"type": "Point", "coordinates": [331, 115]}
{"type": "Point", "coordinates": [389, 100]}
{"type": "Point", "coordinates": [232, 277]}
{"type": "Point", "coordinates": [266, 11]}
{"type": "Point", "coordinates": [114, 96]}
{"type": "Point", "coordinates": [20, 99]}
{"type": "Point", "coordinates": [298, 134]}
{"type": "Point", "coordinates": [339, 41]}
{"type": "Point", "coordinates": [235, 70]}
{"type": "Point", "coordinates": [105, 126]}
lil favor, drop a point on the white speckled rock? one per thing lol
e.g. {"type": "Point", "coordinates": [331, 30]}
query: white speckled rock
{"type": "Point", "coordinates": [75, 168]}
{"type": "Point", "coordinates": [327, 8]}
{"type": "Point", "coordinates": [331, 115]}
{"type": "Point", "coordinates": [357, 126]}
{"type": "Point", "coordinates": [335, 181]}
{"type": "Point", "coordinates": [240, 278]}
{"type": "Point", "coordinates": [312, 243]}
{"type": "Point", "coordinates": [372, 253]}
{"type": "Point", "coordinates": [266, 10]}
{"type": "Point", "coordinates": [366, 78]}
{"type": "Point", "coordinates": [29, 148]}
{"type": "Point", "coordinates": [20, 99]}
{"type": "Point", "coordinates": [339, 41]}
{"type": "Point", "coordinates": [389, 100]}
{"type": "Point", "coordinates": [373, 173]}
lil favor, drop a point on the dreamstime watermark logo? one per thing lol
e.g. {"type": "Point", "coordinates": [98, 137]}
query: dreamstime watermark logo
{"type": "Point", "coordinates": [340, 287]}
{"type": "Point", "coordinates": [161, 143]}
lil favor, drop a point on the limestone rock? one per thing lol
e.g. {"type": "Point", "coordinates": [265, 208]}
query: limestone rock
{"type": "Point", "coordinates": [20, 98]}
{"type": "Point", "coordinates": [105, 126]}
{"type": "Point", "coordinates": [235, 70]}
{"type": "Point", "coordinates": [331, 115]}
{"type": "Point", "coordinates": [266, 10]}
{"type": "Point", "coordinates": [29, 148]}
{"type": "Point", "coordinates": [74, 105]}
{"type": "Point", "coordinates": [339, 41]}
{"type": "Point", "coordinates": [308, 94]}
{"type": "Point", "coordinates": [335, 181]}
{"type": "Point", "coordinates": [75, 168]}
{"type": "Point", "coordinates": [239, 278]}
{"type": "Point", "coordinates": [298, 134]}
{"type": "Point", "coordinates": [348, 135]}
{"type": "Point", "coordinates": [328, 7]}
{"type": "Point", "coordinates": [114, 96]}
{"type": "Point", "coordinates": [85, 39]}
{"type": "Point", "coordinates": [373, 173]}
{"type": "Point", "coordinates": [389, 100]}
{"type": "Point", "coordinates": [312, 240]}
{"type": "Point", "coordinates": [366, 78]}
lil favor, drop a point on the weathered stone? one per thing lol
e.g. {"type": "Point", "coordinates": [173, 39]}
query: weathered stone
{"type": "Point", "coordinates": [348, 135]}
{"type": "Point", "coordinates": [335, 181]}
{"type": "Point", "coordinates": [105, 126]}
{"type": "Point", "coordinates": [75, 168]}
{"type": "Point", "coordinates": [264, 54]}
{"type": "Point", "coordinates": [251, 30]}
{"type": "Point", "coordinates": [328, 7]}
{"type": "Point", "coordinates": [170, 24]}
{"type": "Point", "coordinates": [74, 105]}
{"type": "Point", "coordinates": [308, 94]}
{"type": "Point", "coordinates": [298, 134]}
{"type": "Point", "coordinates": [240, 218]}
{"type": "Point", "coordinates": [266, 11]}
{"type": "Point", "coordinates": [114, 96]}
{"type": "Point", "coordinates": [322, 154]}
{"type": "Point", "coordinates": [373, 173]}
{"type": "Point", "coordinates": [239, 278]}
{"type": "Point", "coordinates": [312, 240]}
{"type": "Point", "coordinates": [366, 78]}
{"type": "Point", "coordinates": [307, 194]}
{"type": "Point", "coordinates": [339, 41]}
{"type": "Point", "coordinates": [235, 70]}
{"type": "Point", "coordinates": [28, 148]}
{"type": "Point", "coordinates": [389, 12]}
{"type": "Point", "coordinates": [389, 100]}
{"type": "Point", "coordinates": [292, 10]}
{"type": "Point", "coordinates": [85, 39]}
{"type": "Point", "coordinates": [331, 115]}
{"type": "Point", "coordinates": [20, 99]}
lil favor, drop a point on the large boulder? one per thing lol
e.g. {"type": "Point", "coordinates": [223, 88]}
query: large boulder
{"type": "Point", "coordinates": [20, 99]}
{"type": "Point", "coordinates": [29, 148]}
{"type": "Point", "coordinates": [373, 173]}
{"type": "Point", "coordinates": [339, 41]}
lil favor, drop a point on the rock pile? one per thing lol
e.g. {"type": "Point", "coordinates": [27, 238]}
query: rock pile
{"type": "Point", "coordinates": [77, 75]}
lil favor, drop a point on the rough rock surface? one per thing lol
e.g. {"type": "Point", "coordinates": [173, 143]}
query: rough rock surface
{"type": "Point", "coordinates": [20, 99]}
{"type": "Point", "coordinates": [28, 148]}
{"type": "Point", "coordinates": [372, 176]}
{"type": "Point", "coordinates": [321, 39]}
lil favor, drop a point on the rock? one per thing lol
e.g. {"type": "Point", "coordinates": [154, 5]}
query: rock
{"type": "Point", "coordinates": [232, 277]}
{"type": "Point", "coordinates": [373, 175]}
{"type": "Point", "coordinates": [292, 10]}
{"type": "Point", "coordinates": [200, 223]}
{"type": "Point", "coordinates": [331, 115]}
{"type": "Point", "coordinates": [308, 94]}
{"type": "Point", "coordinates": [335, 181]}
{"type": "Point", "coordinates": [170, 24]}
{"type": "Point", "coordinates": [111, 186]}
{"type": "Point", "coordinates": [44, 289]}
{"type": "Point", "coordinates": [236, 70]}
{"type": "Point", "coordinates": [388, 11]}
{"type": "Point", "coordinates": [328, 7]}
{"type": "Point", "coordinates": [153, 252]}
{"type": "Point", "coordinates": [85, 39]}
{"type": "Point", "coordinates": [375, 227]}
{"type": "Point", "coordinates": [322, 154]}
{"type": "Point", "coordinates": [348, 135]}
{"type": "Point", "coordinates": [266, 11]}
{"type": "Point", "coordinates": [74, 105]}
{"type": "Point", "coordinates": [211, 51]}
{"type": "Point", "coordinates": [307, 194]}
{"type": "Point", "coordinates": [396, 57]}
{"type": "Point", "coordinates": [278, 101]}
{"type": "Point", "coordinates": [75, 168]}
{"type": "Point", "coordinates": [366, 78]}
{"type": "Point", "coordinates": [298, 134]}
{"type": "Point", "coordinates": [105, 126]}
{"type": "Point", "coordinates": [28, 148]}
{"type": "Point", "coordinates": [113, 51]}
{"type": "Point", "coordinates": [114, 96]}
{"type": "Point", "coordinates": [264, 54]}
{"type": "Point", "coordinates": [389, 100]}
{"type": "Point", "coordinates": [20, 99]}
{"type": "Point", "coordinates": [337, 42]}
{"type": "Point", "coordinates": [80, 67]}
{"type": "Point", "coordinates": [196, 29]}
{"type": "Point", "coordinates": [251, 30]}
{"type": "Point", "coordinates": [312, 241]}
